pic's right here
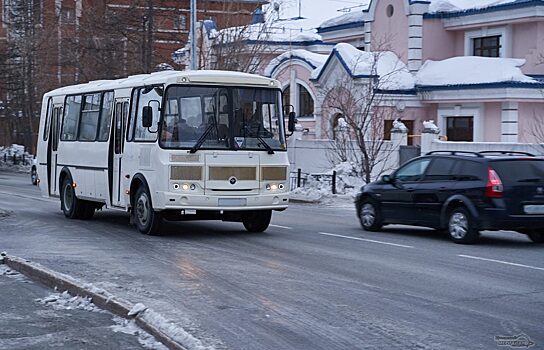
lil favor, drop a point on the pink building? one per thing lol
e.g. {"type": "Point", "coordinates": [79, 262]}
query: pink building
{"type": "Point", "coordinates": [474, 67]}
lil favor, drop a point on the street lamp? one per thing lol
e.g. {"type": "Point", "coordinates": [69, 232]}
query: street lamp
{"type": "Point", "coordinates": [193, 35]}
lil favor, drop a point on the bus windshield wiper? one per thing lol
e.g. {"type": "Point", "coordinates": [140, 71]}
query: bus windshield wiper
{"type": "Point", "coordinates": [256, 135]}
{"type": "Point", "coordinates": [266, 145]}
{"type": "Point", "coordinates": [202, 138]}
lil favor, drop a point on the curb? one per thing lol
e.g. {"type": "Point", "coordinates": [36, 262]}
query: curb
{"type": "Point", "coordinates": [99, 297]}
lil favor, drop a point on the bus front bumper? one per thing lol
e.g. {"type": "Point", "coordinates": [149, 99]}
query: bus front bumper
{"type": "Point", "coordinates": [171, 200]}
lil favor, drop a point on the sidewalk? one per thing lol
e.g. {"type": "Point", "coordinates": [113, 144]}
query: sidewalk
{"type": "Point", "coordinates": [35, 317]}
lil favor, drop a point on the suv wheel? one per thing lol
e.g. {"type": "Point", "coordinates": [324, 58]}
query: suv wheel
{"type": "Point", "coordinates": [370, 215]}
{"type": "Point", "coordinates": [461, 226]}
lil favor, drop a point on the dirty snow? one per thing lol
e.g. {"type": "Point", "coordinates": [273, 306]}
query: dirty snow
{"type": "Point", "coordinates": [6, 271]}
{"type": "Point", "coordinates": [129, 327]}
{"type": "Point", "coordinates": [6, 158]}
{"type": "Point", "coordinates": [136, 309]}
{"type": "Point", "coordinates": [463, 5]}
{"type": "Point", "coordinates": [178, 334]}
{"type": "Point", "coordinates": [64, 301]}
{"type": "Point", "coordinates": [319, 189]}
{"type": "Point", "coordinates": [394, 75]}
{"type": "Point", "coordinates": [314, 59]}
{"type": "Point", "coordinates": [5, 213]}
{"type": "Point", "coordinates": [471, 70]}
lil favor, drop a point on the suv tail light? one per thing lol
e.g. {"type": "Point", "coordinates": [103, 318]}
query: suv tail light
{"type": "Point", "coordinates": [494, 188]}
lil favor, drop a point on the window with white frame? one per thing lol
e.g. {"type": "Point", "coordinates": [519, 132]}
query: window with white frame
{"type": "Point", "coordinates": [488, 42]}
{"type": "Point", "coordinates": [303, 102]}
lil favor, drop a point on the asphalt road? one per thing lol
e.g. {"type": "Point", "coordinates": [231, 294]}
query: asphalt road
{"type": "Point", "coordinates": [313, 280]}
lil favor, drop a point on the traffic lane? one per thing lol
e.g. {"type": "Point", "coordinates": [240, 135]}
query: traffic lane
{"type": "Point", "coordinates": [508, 246]}
{"type": "Point", "coordinates": [241, 296]}
{"type": "Point", "coordinates": [229, 278]}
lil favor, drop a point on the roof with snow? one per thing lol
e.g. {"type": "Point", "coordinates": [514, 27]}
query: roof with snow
{"type": "Point", "coordinates": [314, 60]}
{"type": "Point", "coordinates": [473, 71]}
{"type": "Point", "coordinates": [345, 21]}
{"type": "Point", "coordinates": [458, 8]}
{"type": "Point", "coordinates": [386, 65]}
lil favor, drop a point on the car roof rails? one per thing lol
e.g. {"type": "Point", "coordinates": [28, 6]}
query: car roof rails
{"type": "Point", "coordinates": [508, 153]}
{"type": "Point", "coordinates": [455, 153]}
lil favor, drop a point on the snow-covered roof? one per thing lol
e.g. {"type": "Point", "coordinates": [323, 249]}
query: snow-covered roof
{"type": "Point", "coordinates": [464, 5]}
{"type": "Point", "coordinates": [470, 70]}
{"type": "Point", "coordinates": [393, 73]}
{"type": "Point", "coordinates": [314, 60]}
{"type": "Point", "coordinates": [343, 20]}
{"type": "Point", "coordinates": [168, 77]}
{"type": "Point", "coordinates": [282, 31]}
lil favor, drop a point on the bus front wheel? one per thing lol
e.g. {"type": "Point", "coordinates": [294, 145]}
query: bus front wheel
{"type": "Point", "coordinates": [146, 219]}
{"type": "Point", "coordinates": [70, 204]}
{"type": "Point", "coordinates": [257, 221]}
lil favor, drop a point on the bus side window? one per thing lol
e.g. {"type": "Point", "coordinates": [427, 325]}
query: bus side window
{"type": "Point", "coordinates": [118, 127]}
{"type": "Point", "coordinates": [70, 123]}
{"type": "Point", "coordinates": [105, 116]}
{"type": "Point", "coordinates": [48, 117]}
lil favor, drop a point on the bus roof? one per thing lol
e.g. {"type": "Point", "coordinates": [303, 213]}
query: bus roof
{"type": "Point", "coordinates": [210, 77]}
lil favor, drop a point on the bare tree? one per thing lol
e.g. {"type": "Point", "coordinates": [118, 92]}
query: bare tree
{"type": "Point", "coordinates": [364, 105]}
{"type": "Point", "coordinates": [239, 46]}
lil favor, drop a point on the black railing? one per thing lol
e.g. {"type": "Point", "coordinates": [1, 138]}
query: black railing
{"type": "Point", "coordinates": [300, 179]}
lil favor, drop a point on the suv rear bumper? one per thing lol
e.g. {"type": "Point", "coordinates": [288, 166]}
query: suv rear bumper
{"type": "Point", "coordinates": [499, 219]}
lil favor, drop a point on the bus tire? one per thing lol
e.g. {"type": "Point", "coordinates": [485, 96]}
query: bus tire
{"type": "Point", "coordinates": [147, 220]}
{"type": "Point", "coordinates": [71, 206]}
{"type": "Point", "coordinates": [257, 221]}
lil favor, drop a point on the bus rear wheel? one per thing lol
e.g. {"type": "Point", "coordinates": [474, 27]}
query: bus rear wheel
{"type": "Point", "coordinates": [257, 221]}
{"type": "Point", "coordinates": [146, 219]}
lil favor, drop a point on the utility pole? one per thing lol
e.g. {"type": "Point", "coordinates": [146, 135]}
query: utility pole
{"type": "Point", "coordinates": [194, 64]}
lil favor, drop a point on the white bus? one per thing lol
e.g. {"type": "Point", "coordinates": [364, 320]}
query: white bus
{"type": "Point", "coordinates": [172, 145]}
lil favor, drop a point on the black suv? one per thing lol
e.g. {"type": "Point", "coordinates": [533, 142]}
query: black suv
{"type": "Point", "coordinates": [461, 192]}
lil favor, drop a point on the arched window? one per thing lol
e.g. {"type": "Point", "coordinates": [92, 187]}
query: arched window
{"type": "Point", "coordinates": [306, 102]}
{"type": "Point", "coordinates": [339, 127]}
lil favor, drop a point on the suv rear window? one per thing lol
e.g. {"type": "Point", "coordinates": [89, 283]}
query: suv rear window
{"type": "Point", "coordinates": [520, 170]}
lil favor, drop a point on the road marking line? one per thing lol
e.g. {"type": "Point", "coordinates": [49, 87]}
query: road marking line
{"type": "Point", "coordinates": [365, 240]}
{"type": "Point", "coordinates": [502, 262]}
{"type": "Point", "coordinates": [279, 226]}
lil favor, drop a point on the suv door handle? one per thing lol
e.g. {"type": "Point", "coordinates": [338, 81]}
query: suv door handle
{"type": "Point", "coordinates": [410, 189]}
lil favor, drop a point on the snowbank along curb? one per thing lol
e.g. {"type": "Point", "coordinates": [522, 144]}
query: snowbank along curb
{"type": "Point", "coordinates": [99, 297]}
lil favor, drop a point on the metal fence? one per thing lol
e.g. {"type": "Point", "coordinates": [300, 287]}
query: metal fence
{"type": "Point", "coordinates": [300, 179]}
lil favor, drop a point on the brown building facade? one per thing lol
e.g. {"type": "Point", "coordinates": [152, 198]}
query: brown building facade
{"type": "Point", "coordinates": [46, 44]}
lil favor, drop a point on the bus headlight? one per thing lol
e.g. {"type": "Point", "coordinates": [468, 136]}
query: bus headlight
{"type": "Point", "coordinates": [274, 187]}
{"type": "Point", "coordinates": [185, 187]}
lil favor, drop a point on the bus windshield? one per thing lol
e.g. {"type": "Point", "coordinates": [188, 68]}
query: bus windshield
{"type": "Point", "coordinates": [222, 118]}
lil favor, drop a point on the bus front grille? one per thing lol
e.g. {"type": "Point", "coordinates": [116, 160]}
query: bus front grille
{"type": "Point", "coordinates": [190, 173]}
{"type": "Point", "coordinates": [221, 173]}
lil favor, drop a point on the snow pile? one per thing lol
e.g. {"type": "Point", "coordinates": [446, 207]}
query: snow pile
{"type": "Point", "coordinates": [129, 327]}
{"type": "Point", "coordinates": [311, 58]}
{"type": "Point", "coordinates": [318, 188]}
{"type": "Point", "coordinates": [350, 17]}
{"type": "Point", "coordinates": [393, 73]}
{"type": "Point", "coordinates": [463, 5]}
{"type": "Point", "coordinates": [471, 70]}
{"type": "Point", "coordinates": [7, 155]}
{"type": "Point", "coordinates": [64, 301]}
{"type": "Point", "coordinates": [6, 271]}
{"type": "Point", "coordinates": [178, 334]}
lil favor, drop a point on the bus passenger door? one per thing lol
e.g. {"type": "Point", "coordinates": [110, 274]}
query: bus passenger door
{"type": "Point", "coordinates": [118, 140]}
{"type": "Point", "coordinates": [52, 147]}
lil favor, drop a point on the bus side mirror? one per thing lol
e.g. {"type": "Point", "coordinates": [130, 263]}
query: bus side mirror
{"type": "Point", "coordinates": [292, 121]}
{"type": "Point", "coordinates": [147, 116]}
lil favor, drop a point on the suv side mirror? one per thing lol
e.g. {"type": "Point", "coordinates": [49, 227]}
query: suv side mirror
{"type": "Point", "coordinates": [292, 121]}
{"type": "Point", "coordinates": [387, 179]}
{"type": "Point", "coordinates": [147, 116]}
